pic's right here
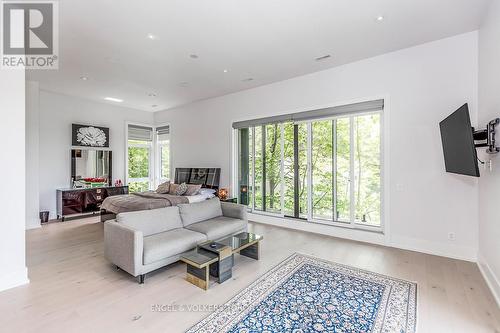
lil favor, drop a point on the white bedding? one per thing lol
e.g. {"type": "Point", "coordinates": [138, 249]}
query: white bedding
{"type": "Point", "coordinates": [199, 197]}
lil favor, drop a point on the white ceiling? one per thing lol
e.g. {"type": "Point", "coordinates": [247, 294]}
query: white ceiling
{"type": "Point", "coordinates": [267, 40]}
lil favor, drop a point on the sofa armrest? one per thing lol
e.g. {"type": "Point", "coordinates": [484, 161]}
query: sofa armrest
{"type": "Point", "coordinates": [123, 246]}
{"type": "Point", "coordinates": [235, 211]}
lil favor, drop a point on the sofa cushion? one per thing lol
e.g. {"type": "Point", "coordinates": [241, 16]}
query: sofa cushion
{"type": "Point", "coordinates": [170, 243]}
{"type": "Point", "coordinates": [219, 227]}
{"type": "Point", "coordinates": [200, 211]}
{"type": "Point", "coordinates": [152, 221]}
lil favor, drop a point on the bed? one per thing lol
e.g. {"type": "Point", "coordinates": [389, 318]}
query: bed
{"type": "Point", "coordinates": [208, 178]}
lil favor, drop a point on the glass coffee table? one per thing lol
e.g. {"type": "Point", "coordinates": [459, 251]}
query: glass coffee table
{"type": "Point", "coordinates": [216, 258]}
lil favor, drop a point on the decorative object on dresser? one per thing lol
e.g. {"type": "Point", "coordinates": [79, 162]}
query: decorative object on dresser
{"type": "Point", "coordinates": [90, 136]}
{"type": "Point", "coordinates": [83, 201]}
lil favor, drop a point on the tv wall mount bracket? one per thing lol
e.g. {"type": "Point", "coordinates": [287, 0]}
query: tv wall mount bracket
{"type": "Point", "coordinates": [486, 137]}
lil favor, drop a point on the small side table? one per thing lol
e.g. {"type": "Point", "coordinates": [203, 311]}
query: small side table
{"type": "Point", "coordinates": [198, 266]}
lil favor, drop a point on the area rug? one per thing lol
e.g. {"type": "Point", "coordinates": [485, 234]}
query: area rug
{"type": "Point", "coordinates": [307, 294]}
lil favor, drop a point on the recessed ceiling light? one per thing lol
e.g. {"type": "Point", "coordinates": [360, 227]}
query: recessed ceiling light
{"type": "Point", "coordinates": [225, 71]}
{"type": "Point", "coordinates": [193, 56]}
{"type": "Point", "coordinates": [380, 18]}
{"type": "Point", "coordinates": [152, 37]}
{"type": "Point", "coordinates": [151, 94]}
{"type": "Point", "coordinates": [112, 99]}
{"type": "Point", "coordinates": [326, 56]}
{"type": "Point", "coordinates": [247, 79]}
{"type": "Point", "coordinates": [84, 78]}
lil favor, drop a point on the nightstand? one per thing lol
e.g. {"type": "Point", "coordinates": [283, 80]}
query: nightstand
{"type": "Point", "coordinates": [231, 200]}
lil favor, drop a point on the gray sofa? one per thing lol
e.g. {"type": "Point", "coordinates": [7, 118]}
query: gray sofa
{"type": "Point", "coordinates": [143, 241]}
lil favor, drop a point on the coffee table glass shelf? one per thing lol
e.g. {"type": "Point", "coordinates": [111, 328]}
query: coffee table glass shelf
{"type": "Point", "coordinates": [216, 258]}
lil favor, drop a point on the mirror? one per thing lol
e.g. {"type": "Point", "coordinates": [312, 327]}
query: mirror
{"type": "Point", "coordinates": [89, 163]}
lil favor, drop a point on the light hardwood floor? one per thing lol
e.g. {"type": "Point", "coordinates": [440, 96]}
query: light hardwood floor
{"type": "Point", "coordinates": [73, 288]}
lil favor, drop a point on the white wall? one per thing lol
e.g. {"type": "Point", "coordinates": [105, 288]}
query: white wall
{"type": "Point", "coordinates": [32, 155]}
{"type": "Point", "coordinates": [57, 113]}
{"type": "Point", "coordinates": [12, 168]}
{"type": "Point", "coordinates": [424, 84]}
{"type": "Point", "coordinates": [489, 183]}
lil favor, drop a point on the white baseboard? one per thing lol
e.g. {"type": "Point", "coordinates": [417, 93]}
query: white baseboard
{"type": "Point", "coordinates": [14, 279]}
{"type": "Point", "coordinates": [323, 229]}
{"type": "Point", "coordinates": [442, 249]}
{"type": "Point", "coordinates": [411, 244]}
{"type": "Point", "coordinates": [492, 280]}
{"type": "Point", "coordinates": [33, 224]}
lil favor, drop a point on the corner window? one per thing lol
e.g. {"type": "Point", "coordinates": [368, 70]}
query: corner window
{"type": "Point", "coordinates": [163, 153]}
{"type": "Point", "coordinates": [148, 157]}
{"type": "Point", "coordinates": [139, 156]}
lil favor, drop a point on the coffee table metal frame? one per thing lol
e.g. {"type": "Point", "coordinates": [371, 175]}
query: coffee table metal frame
{"type": "Point", "coordinates": [204, 262]}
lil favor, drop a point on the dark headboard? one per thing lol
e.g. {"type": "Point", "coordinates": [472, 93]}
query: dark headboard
{"type": "Point", "coordinates": [207, 177]}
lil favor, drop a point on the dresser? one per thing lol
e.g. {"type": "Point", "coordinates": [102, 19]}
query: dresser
{"type": "Point", "coordinates": [82, 201]}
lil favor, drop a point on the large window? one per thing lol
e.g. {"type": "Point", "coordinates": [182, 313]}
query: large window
{"type": "Point", "coordinates": [323, 169]}
{"type": "Point", "coordinates": [295, 169]}
{"type": "Point", "coordinates": [367, 168]}
{"type": "Point", "coordinates": [163, 153]}
{"type": "Point", "coordinates": [140, 144]}
{"type": "Point", "coordinates": [148, 157]}
{"type": "Point", "coordinates": [271, 166]}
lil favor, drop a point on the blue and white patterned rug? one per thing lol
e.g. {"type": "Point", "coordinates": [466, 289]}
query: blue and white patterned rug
{"type": "Point", "coordinates": [307, 294]}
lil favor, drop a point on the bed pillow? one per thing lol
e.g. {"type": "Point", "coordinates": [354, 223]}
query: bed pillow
{"type": "Point", "coordinates": [207, 191]}
{"type": "Point", "coordinates": [180, 189]}
{"type": "Point", "coordinates": [207, 195]}
{"type": "Point", "coordinates": [163, 188]}
{"type": "Point", "coordinates": [173, 188]}
{"type": "Point", "coordinates": [192, 189]}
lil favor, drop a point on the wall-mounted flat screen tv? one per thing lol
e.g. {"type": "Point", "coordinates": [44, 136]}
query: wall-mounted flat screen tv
{"type": "Point", "coordinates": [457, 136]}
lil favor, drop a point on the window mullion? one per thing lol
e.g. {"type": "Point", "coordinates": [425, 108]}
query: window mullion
{"type": "Point", "coordinates": [150, 167]}
{"type": "Point", "coordinates": [253, 169]}
{"type": "Point", "coordinates": [296, 181]}
{"type": "Point", "coordinates": [351, 171]}
{"type": "Point", "coordinates": [155, 177]}
{"type": "Point", "coordinates": [282, 169]}
{"type": "Point", "coordinates": [264, 165]}
{"type": "Point", "coordinates": [309, 172]}
{"type": "Point", "coordinates": [334, 170]}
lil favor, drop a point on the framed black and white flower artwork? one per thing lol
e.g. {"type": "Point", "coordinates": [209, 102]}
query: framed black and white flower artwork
{"type": "Point", "coordinates": [90, 136]}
